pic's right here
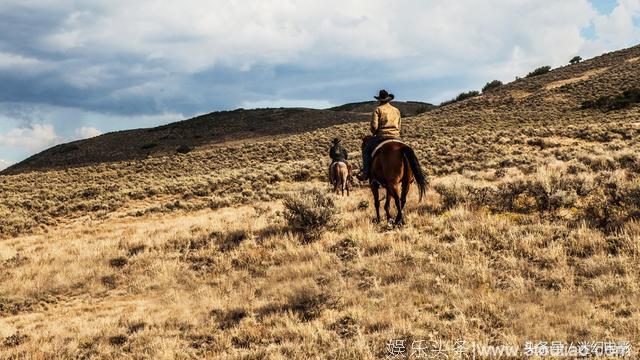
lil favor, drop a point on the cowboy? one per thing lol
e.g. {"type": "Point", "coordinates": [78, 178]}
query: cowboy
{"type": "Point", "coordinates": [385, 124]}
{"type": "Point", "coordinates": [338, 153]}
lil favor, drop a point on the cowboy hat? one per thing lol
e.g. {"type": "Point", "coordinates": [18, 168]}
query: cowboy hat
{"type": "Point", "coordinates": [384, 96]}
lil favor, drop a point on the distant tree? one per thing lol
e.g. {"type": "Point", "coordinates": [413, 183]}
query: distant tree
{"type": "Point", "coordinates": [491, 85]}
{"type": "Point", "coordinates": [466, 95]}
{"type": "Point", "coordinates": [539, 71]}
{"type": "Point", "coordinates": [461, 96]}
{"type": "Point", "coordinates": [575, 60]}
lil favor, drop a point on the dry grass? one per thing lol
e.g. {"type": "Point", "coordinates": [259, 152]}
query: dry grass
{"type": "Point", "coordinates": [529, 231]}
{"type": "Point", "coordinates": [586, 75]}
{"type": "Point", "coordinates": [237, 283]}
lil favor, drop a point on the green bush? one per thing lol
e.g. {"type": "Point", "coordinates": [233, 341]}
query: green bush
{"type": "Point", "coordinates": [310, 213]}
{"type": "Point", "coordinates": [608, 103]}
{"type": "Point", "coordinates": [461, 96]}
{"type": "Point", "coordinates": [539, 71]}
{"type": "Point", "coordinates": [575, 60]}
{"type": "Point", "coordinates": [491, 85]}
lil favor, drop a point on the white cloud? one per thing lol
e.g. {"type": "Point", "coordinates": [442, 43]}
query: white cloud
{"type": "Point", "coordinates": [197, 34]}
{"type": "Point", "coordinates": [35, 137]}
{"type": "Point", "coordinates": [617, 29]}
{"type": "Point", "coordinates": [10, 61]}
{"type": "Point", "coordinates": [86, 132]}
{"type": "Point", "coordinates": [4, 164]}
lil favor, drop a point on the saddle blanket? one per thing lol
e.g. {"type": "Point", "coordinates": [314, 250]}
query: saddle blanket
{"type": "Point", "coordinates": [333, 165]}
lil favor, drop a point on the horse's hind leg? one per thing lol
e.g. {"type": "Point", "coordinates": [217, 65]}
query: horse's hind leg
{"type": "Point", "coordinates": [405, 192]}
{"type": "Point", "coordinates": [387, 205]}
{"type": "Point", "coordinates": [375, 189]}
{"type": "Point", "coordinates": [396, 198]}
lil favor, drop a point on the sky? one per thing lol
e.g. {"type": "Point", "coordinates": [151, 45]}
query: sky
{"type": "Point", "coordinates": [73, 69]}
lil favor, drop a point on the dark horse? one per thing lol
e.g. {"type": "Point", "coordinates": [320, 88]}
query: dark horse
{"type": "Point", "coordinates": [394, 167]}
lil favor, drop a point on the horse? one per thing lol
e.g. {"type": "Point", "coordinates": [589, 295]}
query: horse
{"type": "Point", "coordinates": [339, 174]}
{"type": "Point", "coordinates": [395, 167]}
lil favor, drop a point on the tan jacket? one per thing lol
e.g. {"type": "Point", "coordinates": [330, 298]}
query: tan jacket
{"type": "Point", "coordinates": [386, 121]}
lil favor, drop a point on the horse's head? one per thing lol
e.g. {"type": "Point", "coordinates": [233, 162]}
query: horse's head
{"type": "Point", "coordinates": [365, 140]}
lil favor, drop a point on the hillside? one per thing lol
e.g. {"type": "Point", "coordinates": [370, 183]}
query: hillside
{"type": "Point", "coordinates": [213, 128]}
{"type": "Point", "coordinates": [529, 231]}
{"type": "Point", "coordinates": [407, 108]}
{"type": "Point", "coordinates": [205, 130]}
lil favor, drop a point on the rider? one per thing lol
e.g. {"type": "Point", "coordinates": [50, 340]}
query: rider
{"type": "Point", "coordinates": [385, 124]}
{"type": "Point", "coordinates": [339, 153]}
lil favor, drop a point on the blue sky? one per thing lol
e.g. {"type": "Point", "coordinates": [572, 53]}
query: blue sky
{"type": "Point", "coordinates": [604, 6]}
{"type": "Point", "coordinates": [73, 69]}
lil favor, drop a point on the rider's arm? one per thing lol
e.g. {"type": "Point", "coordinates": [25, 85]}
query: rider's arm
{"type": "Point", "coordinates": [345, 154]}
{"type": "Point", "coordinates": [374, 121]}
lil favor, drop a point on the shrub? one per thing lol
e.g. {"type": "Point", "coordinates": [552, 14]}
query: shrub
{"type": "Point", "coordinates": [467, 95]}
{"type": "Point", "coordinates": [608, 103]}
{"type": "Point", "coordinates": [613, 203]}
{"type": "Point", "coordinates": [575, 60]}
{"type": "Point", "coordinates": [308, 302]}
{"type": "Point", "coordinates": [461, 96]}
{"type": "Point", "coordinates": [491, 85]}
{"type": "Point", "coordinates": [451, 193]}
{"type": "Point", "coordinates": [148, 146]}
{"type": "Point", "coordinates": [301, 175]}
{"type": "Point", "coordinates": [309, 213]}
{"type": "Point", "coordinates": [539, 71]}
{"type": "Point", "coordinates": [183, 149]}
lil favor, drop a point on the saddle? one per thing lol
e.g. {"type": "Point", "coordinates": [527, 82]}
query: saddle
{"type": "Point", "coordinates": [377, 148]}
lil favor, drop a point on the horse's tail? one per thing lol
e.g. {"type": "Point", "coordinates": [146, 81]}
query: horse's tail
{"type": "Point", "coordinates": [418, 174]}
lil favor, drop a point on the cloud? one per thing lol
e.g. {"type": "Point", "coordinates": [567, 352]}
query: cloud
{"type": "Point", "coordinates": [9, 61]}
{"type": "Point", "coordinates": [145, 57]}
{"type": "Point", "coordinates": [617, 29]}
{"type": "Point", "coordinates": [35, 138]}
{"type": "Point", "coordinates": [86, 132]}
{"type": "Point", "coordinates": [4, 164]}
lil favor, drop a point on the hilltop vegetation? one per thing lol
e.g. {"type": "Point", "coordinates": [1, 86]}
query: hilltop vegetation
{"type": "Point", "coordinates": [529, 232]}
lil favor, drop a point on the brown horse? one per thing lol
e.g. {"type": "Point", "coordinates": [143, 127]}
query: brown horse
{"type": "Point", "coordinates": [394, 167]}
{"type": "Point", "coordinates": [339, 173]}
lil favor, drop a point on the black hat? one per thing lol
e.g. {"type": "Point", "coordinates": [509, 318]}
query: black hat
{"type": "Point", "coordinates": [384, 96]}
{"type": "Point", "coordinates": [336, 140]}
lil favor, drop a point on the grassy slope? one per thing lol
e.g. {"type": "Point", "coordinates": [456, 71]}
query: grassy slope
{"type": "Point", "coordinates": [529, 232]}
